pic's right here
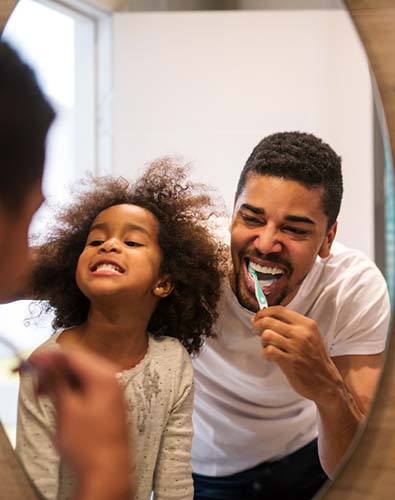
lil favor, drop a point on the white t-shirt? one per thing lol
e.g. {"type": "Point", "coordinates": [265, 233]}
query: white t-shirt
{"type": "Point", "coordinates": [245, 410]}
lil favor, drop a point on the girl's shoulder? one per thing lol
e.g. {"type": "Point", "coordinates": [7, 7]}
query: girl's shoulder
{"type": "Point", "coordinates": [50, 343]}
{"type": "Point", "coordinates": [169, 351]}
{"type": "Point", "coordinates": [168, 346]}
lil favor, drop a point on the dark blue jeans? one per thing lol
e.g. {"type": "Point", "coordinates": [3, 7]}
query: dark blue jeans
{"type": "Point", "coordinates": [295, 477]}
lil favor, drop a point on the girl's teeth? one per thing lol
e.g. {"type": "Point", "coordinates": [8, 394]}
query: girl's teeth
{"type": "Point", "coordinates": [107, 266]}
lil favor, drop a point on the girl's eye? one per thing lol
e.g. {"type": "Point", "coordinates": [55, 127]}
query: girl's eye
{"type": "Point", "coordinates": [95, 243]}
{"type": "Point", "coordinates": [132, 244]}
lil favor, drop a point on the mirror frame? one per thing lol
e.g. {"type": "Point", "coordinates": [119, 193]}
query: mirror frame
{"type": "Point", "coordinates": [368, 472]}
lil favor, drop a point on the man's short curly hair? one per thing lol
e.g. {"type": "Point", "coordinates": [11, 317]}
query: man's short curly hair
{"type": "Point", "coordinates": [25, 117]}
{"type": "Point", "coordinates": [299, 157]}
{"type": "Point", "coordinates": [192, 256]}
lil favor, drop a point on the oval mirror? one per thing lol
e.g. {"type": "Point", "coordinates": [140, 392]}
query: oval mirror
{"type": "Point", "coordinates": [209, 85]}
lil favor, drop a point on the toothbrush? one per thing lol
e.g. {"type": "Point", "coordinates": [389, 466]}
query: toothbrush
{"type": "Point", "coordinates": [260, 297]}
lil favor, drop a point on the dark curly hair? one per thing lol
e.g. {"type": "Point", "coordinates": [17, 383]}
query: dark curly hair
{"type": "Point", "coordinates": [303, 158]}
{"type": "Point", "coordinates": [25, 117]}
{"type": "Point", "coordinates": [192, 256]}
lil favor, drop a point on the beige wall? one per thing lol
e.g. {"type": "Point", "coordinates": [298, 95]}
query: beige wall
{"type": "Point", "coordinates": [210, 85]}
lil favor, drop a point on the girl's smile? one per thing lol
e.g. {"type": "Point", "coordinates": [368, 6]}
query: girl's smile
{"type": "Point", "coordinates": [106, 267]}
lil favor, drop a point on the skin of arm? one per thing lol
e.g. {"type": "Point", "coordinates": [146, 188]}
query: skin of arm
{"type": "Point", "coordinates": [349, 407]}
{"type": "Point", "coordinates": [92, 435]}
{"type": "Point", "coordinates": [342, 388]}
{"type": "Point", "coordinates": [173, 471]}
{"type": "Point", "coordinates": [21, 289]}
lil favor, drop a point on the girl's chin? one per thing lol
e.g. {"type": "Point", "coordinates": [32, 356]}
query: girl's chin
{"type": "Point", "coordinates": [97, 294]}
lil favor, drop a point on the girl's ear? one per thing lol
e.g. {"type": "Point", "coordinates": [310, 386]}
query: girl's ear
{"type": "Point", "coordinates": [163, 287]}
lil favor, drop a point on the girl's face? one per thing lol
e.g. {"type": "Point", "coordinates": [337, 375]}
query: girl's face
{"type": "Point", "coordinates": [122, 256]}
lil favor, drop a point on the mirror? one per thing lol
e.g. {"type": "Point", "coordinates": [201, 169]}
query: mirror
{"type": "Point", "coordinates": [130, 82]}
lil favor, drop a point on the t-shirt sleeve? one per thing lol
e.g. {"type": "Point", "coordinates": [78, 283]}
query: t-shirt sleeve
{"type": "Point", "coordinates": [34, 439]}
{"type": "Point", "coordinates": [364, 314]}
{"type": "Point", "coordinates": [173, 472]}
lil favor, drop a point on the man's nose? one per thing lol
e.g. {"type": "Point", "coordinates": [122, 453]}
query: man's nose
{"type": "Point", "coordinates": [110, 245]}
{"type": "Point", "coordinates": [267, 240]}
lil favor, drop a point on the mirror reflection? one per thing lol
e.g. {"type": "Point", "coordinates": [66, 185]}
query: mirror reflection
{"type": "Point", "coordinates": [279, 392]}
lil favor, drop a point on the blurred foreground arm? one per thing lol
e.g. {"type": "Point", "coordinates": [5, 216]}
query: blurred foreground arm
{"type": "Point", "coordinates": [21, 288]}
{"type": "Point", "coordinates": [92, 434]}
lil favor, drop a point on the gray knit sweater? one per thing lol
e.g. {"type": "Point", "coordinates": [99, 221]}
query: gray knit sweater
{"type": "Point", "coordinates": [159, 399]}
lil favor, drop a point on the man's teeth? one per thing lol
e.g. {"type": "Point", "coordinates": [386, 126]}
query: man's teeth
{"type": "Point", "coordinates": [265, 283]}
{"type": "Point", "coordinates": [111, 267]}
{"type": "Point", "coordinates": [265, 269]}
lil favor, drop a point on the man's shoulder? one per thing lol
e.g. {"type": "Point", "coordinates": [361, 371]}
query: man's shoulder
{"type": "Point", "coordinates": [339, 251]}
{"type": "Point", "coordinates": [350, 277]}
{"type": "Point", "coordinates": [349, 263]}
{"type": "Point", "coordinates": [345, 276]}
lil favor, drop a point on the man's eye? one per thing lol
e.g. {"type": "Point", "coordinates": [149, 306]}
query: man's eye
{"type": "Point", "coordinates": [130, 243]}
{"type": "Point", "coordinates": [296, 230]}
{"type": "Point", "coordinates": [248, 219]}
{"type": "Point", "coordinates": [95, 243]}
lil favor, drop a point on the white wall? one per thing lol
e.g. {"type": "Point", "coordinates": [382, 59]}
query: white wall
{"type": "Point", "coordinates": [209, 85]}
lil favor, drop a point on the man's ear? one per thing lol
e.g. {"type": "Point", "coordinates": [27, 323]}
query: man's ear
{"type": "Point", "coordinates": [163, 287]}
{"type": "Point", "coordinates": [328, 240]}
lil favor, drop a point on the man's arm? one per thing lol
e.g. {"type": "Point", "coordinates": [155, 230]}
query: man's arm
{"type": "Point", "coordinates": [342, 388]}
{"type": "Point", "coordinates": [339, 418]}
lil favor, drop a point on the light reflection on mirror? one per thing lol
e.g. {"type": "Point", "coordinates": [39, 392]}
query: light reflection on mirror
{"type": "Point", "coordinates": [209, 86]}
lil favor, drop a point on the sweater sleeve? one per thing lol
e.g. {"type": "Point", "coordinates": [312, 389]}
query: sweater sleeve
{"type": "Point", "coordinates": [173, 472]}
{"type": "Point", "coordinates": [35, 438]}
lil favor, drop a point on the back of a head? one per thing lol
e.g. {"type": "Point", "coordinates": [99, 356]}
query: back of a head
{"type": "Point", "coordinates": [25, 117]}
{"type": "Point", "coordinates": [300, 157]}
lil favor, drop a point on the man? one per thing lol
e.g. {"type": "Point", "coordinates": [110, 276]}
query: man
{"type": "Point", "coordinates": [92, 432]}
{"type": "Point", "coordinates": [308, 364]}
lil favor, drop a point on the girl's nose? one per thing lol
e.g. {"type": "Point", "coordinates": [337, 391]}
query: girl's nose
{"type": "Point", "coordinates": [110, 245]}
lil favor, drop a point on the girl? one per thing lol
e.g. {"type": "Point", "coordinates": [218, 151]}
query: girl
{"type": "Point", "coordinates": [133, 274]}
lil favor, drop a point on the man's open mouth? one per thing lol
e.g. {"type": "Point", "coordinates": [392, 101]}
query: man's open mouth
{"type": "Point", "coordinates": [267, 274]}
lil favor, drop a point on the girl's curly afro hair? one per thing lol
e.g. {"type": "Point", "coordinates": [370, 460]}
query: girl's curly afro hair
{"type": "Point", "coordinates": [192, 256]}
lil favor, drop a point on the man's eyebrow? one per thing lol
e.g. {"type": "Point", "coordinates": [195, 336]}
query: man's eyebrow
{"type": "Point", "coordinates": [128, 226]}
{"type": "Point", "coordinates": [299, 218]}
{"type": "Point", "coordinates": [290, 218]}
{"type": "Point", "coordinates": [252, 208]}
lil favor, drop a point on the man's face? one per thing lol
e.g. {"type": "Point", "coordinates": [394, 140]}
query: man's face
{"type": "Point", "coordinates": [14, 241]}
{"type": "Point", "coordinates": [279, 227]}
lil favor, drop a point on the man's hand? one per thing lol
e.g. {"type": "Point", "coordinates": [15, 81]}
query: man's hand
{"type": "Point", "coordinates": [293, 342]}
{"type": "Point", "coordinates": [342, 388]}
{"type": "Point", "coordinates": [92, 434]}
